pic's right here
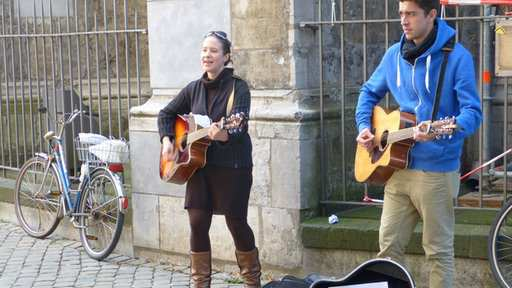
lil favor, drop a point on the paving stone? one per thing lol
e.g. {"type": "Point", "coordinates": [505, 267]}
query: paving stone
{"type": "Point", "coordinates": [103, 285]}
{"type": "Point", "coordinates": [55, 263]}
{"type": "Point", "coordinates": [64, 284]}
{"type": "Point", "coordinates": [39, 283]}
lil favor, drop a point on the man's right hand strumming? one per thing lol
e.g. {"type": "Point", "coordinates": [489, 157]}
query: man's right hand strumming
{"type": "Point", "coordinates": [365, 139]}
{"type": "Point", "coordinates": [168, 151]}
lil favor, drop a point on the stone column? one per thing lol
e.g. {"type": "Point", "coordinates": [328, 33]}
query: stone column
{"type": "Point", "coordinates": [283, 126]}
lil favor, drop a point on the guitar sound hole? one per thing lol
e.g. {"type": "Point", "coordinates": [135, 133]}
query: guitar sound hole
{"type": "Point", "coordinates": [384, 140]}
{"type": "Point", "coordinates": [183, 142]}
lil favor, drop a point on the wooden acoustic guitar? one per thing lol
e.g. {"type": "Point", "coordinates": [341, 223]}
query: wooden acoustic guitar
{"type": "Point", "coordinates": [191, 142]}
{"type": "Point", "coordinates": [394, 133]}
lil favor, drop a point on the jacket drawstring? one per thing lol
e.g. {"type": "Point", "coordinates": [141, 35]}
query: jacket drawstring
{"type": "Point", "coordinates": [427, 73]}
{"type": "Point", "coordinates": [398, 82]}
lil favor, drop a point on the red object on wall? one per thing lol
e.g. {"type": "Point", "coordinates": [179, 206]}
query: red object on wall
{"type": "Point", "coordinates": [487, 77]}
{"type": "Point", "coordinates": [476, 2]}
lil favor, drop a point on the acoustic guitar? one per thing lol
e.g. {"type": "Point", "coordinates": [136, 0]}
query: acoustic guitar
{"type": "Point", "coordinates": [191, 144]}
{"type": "Point", "coordinates": [394, 133]}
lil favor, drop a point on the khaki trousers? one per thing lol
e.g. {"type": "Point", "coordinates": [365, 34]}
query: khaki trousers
{"type": "Point", "coordinates": [408, 196]}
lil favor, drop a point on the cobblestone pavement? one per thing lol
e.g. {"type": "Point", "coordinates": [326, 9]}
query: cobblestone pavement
{"type": "Point", "coordinates": [57, 262]}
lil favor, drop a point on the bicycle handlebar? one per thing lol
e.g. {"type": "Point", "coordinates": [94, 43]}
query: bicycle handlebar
{"type": "Point", "coordinates": [73, 115]}
{"type": "Point", "coordinates": [65, 121]}
{"type": "Point", "coordinates": [62, 121]}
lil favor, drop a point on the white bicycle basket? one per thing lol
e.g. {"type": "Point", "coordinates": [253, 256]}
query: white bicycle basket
{"type": "Point", "coordinates": [96, 149]}
{"type": "Point", "coordinates": [111, 151]}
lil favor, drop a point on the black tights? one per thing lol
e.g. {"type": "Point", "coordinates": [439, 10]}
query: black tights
{"type": "Point", "coordinates": [200, 222]}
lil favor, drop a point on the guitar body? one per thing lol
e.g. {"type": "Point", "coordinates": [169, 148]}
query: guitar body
{"type": "Point", "coordinates": [373, 273]}
{"type": "Point", "coordinates": [192, 144]}
{"type": "Point", "coordinates": [190, 157]}
{"type": "Point", "coordinates": [378, 165]}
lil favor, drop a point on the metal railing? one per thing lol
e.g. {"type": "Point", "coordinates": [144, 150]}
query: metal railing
{"type": "Point", "coordinates": [365, 29]}
{"type": "Point", "coordinates": [89, 57]}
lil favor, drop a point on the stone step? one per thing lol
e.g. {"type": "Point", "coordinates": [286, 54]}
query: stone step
{"type": "Point", "coordinates": [472, 199]}
{"type": "Point", "coordinates": [359, 230]}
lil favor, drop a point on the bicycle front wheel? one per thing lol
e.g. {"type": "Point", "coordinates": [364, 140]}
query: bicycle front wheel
{"type": "Point", "coordinates": [37, 198]}
{"type": "Point", "coordinates": [101, 217]}
{"type": "Point", "coordinates": [500, 246]}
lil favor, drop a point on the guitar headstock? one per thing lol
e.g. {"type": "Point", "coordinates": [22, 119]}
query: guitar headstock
{"type": "Point", "coordinates": [234, 121]}
{"type": "Point", "coordinates": [441, 128]}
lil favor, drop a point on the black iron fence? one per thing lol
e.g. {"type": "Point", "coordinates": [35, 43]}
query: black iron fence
{"type": "Point", "coordinates": [63, 55]}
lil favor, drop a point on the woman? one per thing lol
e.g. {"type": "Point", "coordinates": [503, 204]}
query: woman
{"type": "Point", "coordinates": [223, 185]}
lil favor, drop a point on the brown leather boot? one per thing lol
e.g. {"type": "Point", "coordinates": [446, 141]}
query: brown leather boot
{"type": "Point", "coordinates": [201, 269]}
{"type": "Point", "coordinates": [250, 268]}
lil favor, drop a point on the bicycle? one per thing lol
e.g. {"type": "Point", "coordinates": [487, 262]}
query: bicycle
{"type": "Point", "coordinates": [44, 193]}
{"type": "Point", "coordinates": [500, 246]}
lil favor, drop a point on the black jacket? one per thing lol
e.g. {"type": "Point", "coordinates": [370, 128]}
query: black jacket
{"type": "Point", "coordinates": [237, 151]}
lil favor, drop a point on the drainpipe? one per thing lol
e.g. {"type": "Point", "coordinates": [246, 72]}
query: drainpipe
{"type": "Point", "coordinates": [488, 71]}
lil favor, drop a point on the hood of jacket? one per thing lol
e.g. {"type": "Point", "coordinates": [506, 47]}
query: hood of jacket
{"type": "Point", "coordinates": [444, 34]}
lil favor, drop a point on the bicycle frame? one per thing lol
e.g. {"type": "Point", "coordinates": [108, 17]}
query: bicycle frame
{"type": "Point", "coordinates": [100, 201]}
{"type": "Point", "coordinates": [57, 158]}
{"type": "Point", "coordinates": [63, 175]}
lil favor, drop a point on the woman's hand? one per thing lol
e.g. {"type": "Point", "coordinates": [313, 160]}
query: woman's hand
{"type": "Point", "coordinates": [168, 151]}
{"type": "Point", "coordinates": [217, 134]}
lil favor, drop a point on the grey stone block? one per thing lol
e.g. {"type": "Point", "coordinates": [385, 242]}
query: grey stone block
{"type": "Point", "coordinates": [176, 72]}
{"type": "Point", "coordinates": [145, 224]}
{"type": "Point", "coordinates": [145, 159]}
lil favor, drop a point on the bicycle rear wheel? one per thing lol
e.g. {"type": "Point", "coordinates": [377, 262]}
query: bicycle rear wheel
{"type": "Point", "coordinates": [500, 246]}
{"type": "Point", "coordinates": [37, 198]}
{"type": "Point", "coordinates": [102, 219]}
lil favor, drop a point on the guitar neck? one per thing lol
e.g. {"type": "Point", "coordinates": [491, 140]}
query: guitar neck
{"type": "Point", "coordinates": [399, 135]}
{"type": "Point", "coordinates": [196, 135]}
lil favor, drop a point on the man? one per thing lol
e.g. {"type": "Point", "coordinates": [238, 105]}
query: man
{"type": "Point", "coordinates": [410, 71]}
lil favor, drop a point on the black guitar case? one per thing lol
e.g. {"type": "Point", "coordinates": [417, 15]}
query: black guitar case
{"type": "Point", "coordinates": [387, 272]}
{"type": "Point", "coordinates": [290, 281]}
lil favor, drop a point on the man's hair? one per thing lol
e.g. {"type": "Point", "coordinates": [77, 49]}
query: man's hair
{"type": "Point", "coordinates": [425, 5]}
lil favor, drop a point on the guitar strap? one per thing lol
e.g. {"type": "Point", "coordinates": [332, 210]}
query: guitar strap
{"type": "Point", "coordinates": [231, 99]}
{"type": "Point", "coordinates": [448, 47]}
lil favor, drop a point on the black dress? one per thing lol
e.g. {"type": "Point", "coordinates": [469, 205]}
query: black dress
{"type": "Point", "coordinates": [224, 184]}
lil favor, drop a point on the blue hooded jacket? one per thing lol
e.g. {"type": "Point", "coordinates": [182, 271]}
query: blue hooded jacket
{"type": "Point", "coordinates": [413, 87]}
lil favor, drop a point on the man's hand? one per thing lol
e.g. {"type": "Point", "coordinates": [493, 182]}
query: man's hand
{"type": "Point", "coordinates": [365, 139]}
{"type": "Point", "coordinates": [217, 134]}
{"type": "Point", "coordinates": [421, 132]}
{"type": "Point", "coordinates": [168, 151]}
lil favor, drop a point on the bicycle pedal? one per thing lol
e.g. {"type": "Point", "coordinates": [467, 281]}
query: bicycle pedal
{"type": "Point", "coordinates": [91, 237]}
{"type": "Point", "coordinates": [55, 193]}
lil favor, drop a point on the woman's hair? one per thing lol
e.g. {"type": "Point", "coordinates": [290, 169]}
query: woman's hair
{"type": "Point", "coordinates": [226, 44]}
